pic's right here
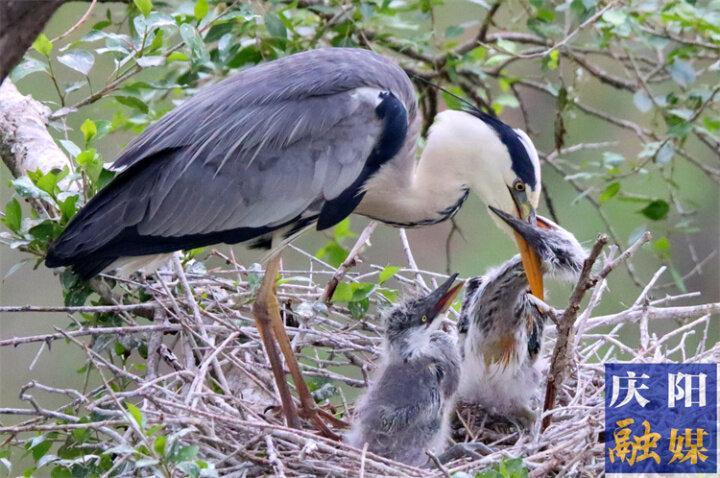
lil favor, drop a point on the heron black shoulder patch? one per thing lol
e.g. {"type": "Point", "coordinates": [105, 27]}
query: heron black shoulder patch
{"type": "Point", "coordinates": [395, 127]}
{"type": "Point", "coordinates": [521, 162]}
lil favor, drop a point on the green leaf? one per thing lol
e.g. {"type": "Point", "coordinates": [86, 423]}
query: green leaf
{"type": "Point", "coordinates": [553, 60]}
{"type": "Point", "coordinates": [81, 61]}
{"type": "Point", "coordinates": [43, 45]}
{"type": "Point", "coordinates": [682, 72]}
{"type": "Point", "coordinates": [119, 349]}
{"type": "Point", "coordinates": [187, 453]}
{"type": "Point", "coordinates": [332, 253]}
{"type": "Point", "coordinates": [136, 414]}
{"type": "Point", "coordinates": [27, 189]}
{"type": "Point", "coordinates": [194, 41]}
{"type": "Point", "coordinates": [40, 449]}
{"type": "Point", "coordinates": [177, 56]}
{"type": "Point", "coordinates": [48, 182]}
{"type": "Point", "coordinates": [505, 100]}
{"type": "Point", "coordinates": [361, 290]}
{"type": "Point", "coordinates": [89, 130]}
{"type": "Point", "coordinates": [662, 244]}
{"type": "Point", "coordinates": [159, 445]}
{"type": "Point", "coordinates": [712, 124]}
{"type": "Point", "coordinates": [13, 215]}
{"type": "Point", "coordinates": [610, 191]}
{"type": "Point", "coordinates": [145, 6]}
{"type": "Point", "coordinates": [201, 9]}
{"type": "Point", "coordinates": [343, 230]}
{"type": "Point", "coordinates": [150, 61]}
{"type": "Point", "coordinates": [28, 66]}
{"type": "Point", "coordinates": [387, 273]}
{"type": "Point", "coordinates": [451, 101]}
{"type": "Point", "coordinates": [275, 26]}
{"type": "Point", "coordinates": [90, 163]}
{"type": "Point", "coordinates": [359, 308]}
{"type": "Point", "coordinates": [642, 101]}
{"type": "Point", "coordinates": [46, 231]}
{"type": "Point", "coordinates": [133, 102]}
{"type": "Point", "coordinates": [343, 293]}
{"type": "Point", "coordinates": [615, 17]}
{"type": "Point", "coordinates": [656, 210]}
{"type": "Point", "coordinates": [60, 472]}
{"type": "Point", "coordinates": [250, 54]}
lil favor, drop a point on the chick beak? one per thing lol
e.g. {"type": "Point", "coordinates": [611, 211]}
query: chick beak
{"type": "Point", "coordinates": [440, 299]}
{"type": "Point", "coordinates": [530, 260]}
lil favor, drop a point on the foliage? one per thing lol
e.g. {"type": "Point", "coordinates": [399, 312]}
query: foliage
{"type": "Point", "coordinates": [662, 55]}
{"type": "Point", "coordinates": [513, 468]}
{"type": "Point", "coordinates": [142, 58]}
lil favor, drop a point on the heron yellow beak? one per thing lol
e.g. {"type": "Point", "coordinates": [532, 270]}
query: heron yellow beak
{"type": "Point", "coordinates": [530, 260]}
{"type": "Point", "coordinates": [532, 266]}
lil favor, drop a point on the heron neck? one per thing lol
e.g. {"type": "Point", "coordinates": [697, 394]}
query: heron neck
{"type": "Point", "coordinates": [495, 308]}
{"type": "Point", "coordinates": [431, 191]}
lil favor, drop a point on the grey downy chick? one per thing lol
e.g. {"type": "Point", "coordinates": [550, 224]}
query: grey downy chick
{"type": "Point", "coordinates": [500, 329]}
{"type": "Point", "coordinates": [406, 409]}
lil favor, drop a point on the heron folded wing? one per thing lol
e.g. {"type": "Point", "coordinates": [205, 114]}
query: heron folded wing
{"type": "Point", "coordinates": [267, 148]}
{"type": "Point", "coordinates": [218, 187]}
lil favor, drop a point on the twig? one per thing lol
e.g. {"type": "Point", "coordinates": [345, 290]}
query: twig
{"type": "Point", "coordinates": [409, 256]}
{"type": "Point", "coordinates": [350, 261]}
{"type": "Point", "coordinates": [438, 464]}
{"type": "Point", "coordinates": [77, 24]}
{"type": "Point", "coordinates": [559, 361]}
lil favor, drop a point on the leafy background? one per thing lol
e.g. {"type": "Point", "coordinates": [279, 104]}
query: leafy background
{"type": "Point", "coordinates": [129, 63]}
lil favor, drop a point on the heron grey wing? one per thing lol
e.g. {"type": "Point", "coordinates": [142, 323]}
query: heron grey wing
{"type": "Point", "coordinates": [224, 185]}
{"type": "Point", "coordinates": [230, 103]}
{"type": "Point", "coordinates": [405, 395]}
{"type": "Point", "coordinates": [289, 136]}
{"type": "Point", "coordinates": [403, 412]}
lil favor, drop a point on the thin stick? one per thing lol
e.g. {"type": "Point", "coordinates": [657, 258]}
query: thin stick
{"type": "Point", "coordinates": [350, 261]}
{"type": "Point", "coordinates": [559, 361]}
{"type": "Point", "coordinates": [410, 259]}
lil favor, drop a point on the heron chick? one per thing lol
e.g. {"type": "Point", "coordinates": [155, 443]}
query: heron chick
{"type": "Point", "coordinates": [500, 327]}
{"type": "Point", "coordinates": [406, 410]}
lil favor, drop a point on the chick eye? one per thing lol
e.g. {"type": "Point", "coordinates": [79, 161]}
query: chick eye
{"type": "Point", "coordinates": [423, 319]}
{"type": "Point", "coordinates": [519, 186]}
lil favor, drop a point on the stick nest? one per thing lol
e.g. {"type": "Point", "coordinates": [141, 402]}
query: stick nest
{"type": "Point", "coordinates": [198, 399]}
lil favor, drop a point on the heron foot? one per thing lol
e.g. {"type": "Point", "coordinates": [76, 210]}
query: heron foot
{"type": "Point", "coordinates": [272, 332]}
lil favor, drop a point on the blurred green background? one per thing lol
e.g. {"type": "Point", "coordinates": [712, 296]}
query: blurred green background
{"type": "Point", "coordinates": [483, 245]}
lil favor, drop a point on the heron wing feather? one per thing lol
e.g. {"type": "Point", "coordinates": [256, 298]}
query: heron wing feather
{"type": "Point", "coordinates": [254, 152]}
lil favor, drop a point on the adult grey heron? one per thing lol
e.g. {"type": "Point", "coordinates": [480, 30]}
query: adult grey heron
{"type": "Point", "coordinates": [500, 328]}
{"type": "Point", "coordinates": [304, 140]}
{"type": "Point", "coordinates": [407, 408]}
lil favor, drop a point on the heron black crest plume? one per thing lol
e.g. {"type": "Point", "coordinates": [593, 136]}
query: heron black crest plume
{"type": "Point", "coordinates": [470, 107]}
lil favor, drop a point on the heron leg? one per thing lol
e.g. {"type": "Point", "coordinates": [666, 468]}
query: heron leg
{"type": "Point", "coordinates": [308, 408]}
{"type": "Point", "coordinates": [265, 309]}
{"type": "Point", "coordinates": [271, 313]}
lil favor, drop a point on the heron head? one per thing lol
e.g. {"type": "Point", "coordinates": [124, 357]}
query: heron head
{"type": "Point", "coordinates": [557, 248]}
{"type": "Point", "coordinates": [414, 318]}
{"type": "Point", "coordinates": [500, 164]}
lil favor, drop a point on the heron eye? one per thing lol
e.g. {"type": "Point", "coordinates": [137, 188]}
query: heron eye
{"type": "Point", "coordinates": [519, 186]}
{"type": "Point", "coordinates": [423, 319]}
